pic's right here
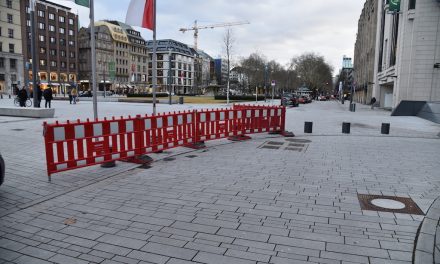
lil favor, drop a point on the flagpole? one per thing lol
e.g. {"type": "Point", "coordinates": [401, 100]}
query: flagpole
{"type": "Point", "coordinates": [154, 58]}
{"type": "Point", "coordinates": [92, 50]}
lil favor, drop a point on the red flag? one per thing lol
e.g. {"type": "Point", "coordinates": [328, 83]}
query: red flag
{"type": "Point", "coordinates": [141, 13]}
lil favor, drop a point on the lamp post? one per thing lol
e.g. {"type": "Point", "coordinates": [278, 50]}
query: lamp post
{"type": "Point", "coordinates": [265, 82]}
{"type": "Point", "coordinates": [169, 76]}
{"type": "Point", "coordinates": [36, 88]}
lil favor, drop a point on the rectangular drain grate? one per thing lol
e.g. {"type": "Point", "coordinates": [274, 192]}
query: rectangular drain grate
{"type": "Point", "coordinates": [270, 147]}
{"type": "Point", "coordinates": [275, 143]}
{"type": "Point", "coordinates": [294, 149]}
{"type": "Point", "coordinates": [296, 145]}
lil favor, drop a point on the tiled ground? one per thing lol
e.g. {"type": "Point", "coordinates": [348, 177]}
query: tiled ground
{"type": "Point", "coordinates": [230, 203]}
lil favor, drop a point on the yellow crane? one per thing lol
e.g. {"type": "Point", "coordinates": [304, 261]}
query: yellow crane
{"type": "Point", "coordinates": [196, 28]}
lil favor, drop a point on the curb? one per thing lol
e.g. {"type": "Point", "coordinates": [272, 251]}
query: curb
{"type": "Point", "coordinates": [427, 245]}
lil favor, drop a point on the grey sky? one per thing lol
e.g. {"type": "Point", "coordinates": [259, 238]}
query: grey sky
{"type": "Point", "coordinates": [279, 29]}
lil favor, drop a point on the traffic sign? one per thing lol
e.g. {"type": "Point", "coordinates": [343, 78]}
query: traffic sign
{"type": "Point", "coordinates": [273, 83]}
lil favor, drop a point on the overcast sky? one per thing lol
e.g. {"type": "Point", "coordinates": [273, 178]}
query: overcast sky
{"type": "Point", "coordinates": [278, 29]}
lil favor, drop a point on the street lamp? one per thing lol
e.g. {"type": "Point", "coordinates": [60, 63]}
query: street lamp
{"type": "Point", "coordinates": [169, 75]}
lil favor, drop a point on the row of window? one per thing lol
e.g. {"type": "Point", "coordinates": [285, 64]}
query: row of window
{"type": "Point", "coordinates": [11, 47]}
{"type": "Point", "coordinates": [53, 40]}
{"type": "Point", "coordinates": [61, 19]}
{"type": "Point", "coordinates": [61, 30]}
{"type": "Point", "coordinates": [54, 64]}
{"type": "Point", "coordinates": [53, 52]}
{"type": "Point", "coordinates": [10, 32]}
{"type": "Point", "coordinates": [12, 63]}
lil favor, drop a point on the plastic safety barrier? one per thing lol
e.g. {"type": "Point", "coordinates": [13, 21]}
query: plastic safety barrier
{"type": "Point", "coordinates": [77, 144]}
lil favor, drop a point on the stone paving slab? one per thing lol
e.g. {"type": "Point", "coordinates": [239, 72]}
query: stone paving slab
{"type": "Point", "coordinates": [231, 203]}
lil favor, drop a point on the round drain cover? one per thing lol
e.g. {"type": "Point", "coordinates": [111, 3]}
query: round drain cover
{"type": "Point", "coordinates": [388, 203]}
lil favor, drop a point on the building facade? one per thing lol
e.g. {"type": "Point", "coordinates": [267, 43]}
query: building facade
{"type": "Point", "coordinates": [104, 50]}
{"type": "Point", "coordinates": [11, 54]}
{"type": "Point", "coordinates": [56, 35]}
{"type": "Point", "coordinates": [364, 52]}
{"type": "Point", "coordinates": [407, 52]}
{"type": "Point", "coordinates": [121, 58]}
{"type": "Point", "coordinates": [221, 71]}
{"type": "Point", "coordinates": [181, 69]}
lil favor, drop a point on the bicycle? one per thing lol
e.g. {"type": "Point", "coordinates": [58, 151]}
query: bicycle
{"type": "Point", "coordinates": [17, 102]}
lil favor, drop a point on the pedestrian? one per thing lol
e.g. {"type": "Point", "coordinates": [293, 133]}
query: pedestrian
{"type": "Point", "coordinates": [372, 102]}
{"type": "Point", "coordinates": [22, 97]}
{"type": "Point", "coordinates": [39, 96]}
{"type": "Point", "coordinates": [48, 96]}
{"type": "Point", "coordinates": [69, 92]}
{"type": "Point", "coordinates": [74, 94]}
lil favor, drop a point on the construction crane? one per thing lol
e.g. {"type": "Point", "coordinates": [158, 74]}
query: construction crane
{"type": "Point", "coordinates": [196, 28]}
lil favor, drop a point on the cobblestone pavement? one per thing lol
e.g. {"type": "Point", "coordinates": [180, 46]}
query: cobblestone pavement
{"type": "Point", "coordinates": [230, 203]}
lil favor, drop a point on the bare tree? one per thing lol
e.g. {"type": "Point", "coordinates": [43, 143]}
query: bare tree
{"type": "Point", "coordinates": [228, 41]}
{"type": "Point", "coordinates": [313, 72]}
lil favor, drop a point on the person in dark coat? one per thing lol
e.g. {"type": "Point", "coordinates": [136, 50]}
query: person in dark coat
{"type": "Point", "coordinates": [39, 96]}
{"type": "Point", "coordinates": [48, 96]}
{"type": "Point", "coordinates": [70, 95]}
{"type": "Point", "coordinates": [22, 97]}
{"type": "Point", "coordinates": [372, 102]}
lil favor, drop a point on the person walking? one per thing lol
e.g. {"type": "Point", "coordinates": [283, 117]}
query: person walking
{"type": "Point", "coordinates": [372, 102]}
{"type": "Point", "coordinates": [22, 97]}
{"type": "Point", "coordinates": [70, 95]}
{"type": "Point", "coordinates": [74, 94]}
{"type": "Point", "coordinates": [48, 96]}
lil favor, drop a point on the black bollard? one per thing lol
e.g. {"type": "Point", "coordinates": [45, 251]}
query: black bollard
{"type": "Point", "coordinates": [308, 127]}
{"type": "Point", "coordinates": [346, 128]}
{"type": "Point", "coordinates": [385, 129]}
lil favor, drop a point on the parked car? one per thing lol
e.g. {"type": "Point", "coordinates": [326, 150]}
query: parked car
{"type": "Point", "coordinates": [2, 170]}
{"type": "Point", "coordinates": [86, 94]}
{"type": "Point", "coordinates": [289, 99]}
{"type": "Point", "coordinates": [322, 98]}
{"type": "Point", "coordinates": [301, 100]}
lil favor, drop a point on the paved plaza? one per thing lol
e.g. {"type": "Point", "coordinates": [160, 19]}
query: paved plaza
{"type": "Point", "coordinates": [266, 200]}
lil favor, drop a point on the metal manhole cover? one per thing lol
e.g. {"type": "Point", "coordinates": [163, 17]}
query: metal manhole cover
{"type": "Point", "coordinates": [294, 149]}
{"type": "Point", "coordinates": [392, 204]}
{"type": "Point", "coordinates": [298, 140]}
{"type": "Point", "coordinates": [296, 145]}
{"type": "Point", "coordinates": [17, 129]}
{"type": "Point", "coordinates": [169, 159]}
{"type": "Point", "coordinates": [275, 143]}
{"type": "Point", "coordinates": [191, 156]}
{"type": "Point", "coordinates": [270, 147]}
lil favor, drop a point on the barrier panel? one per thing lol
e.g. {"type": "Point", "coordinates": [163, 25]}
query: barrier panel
{"type": "Point", "coordinates": [79, 144]}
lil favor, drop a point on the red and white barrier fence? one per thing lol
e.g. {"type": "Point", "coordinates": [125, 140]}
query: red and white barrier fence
{"type": "Point", "coordinates": [79, 144]}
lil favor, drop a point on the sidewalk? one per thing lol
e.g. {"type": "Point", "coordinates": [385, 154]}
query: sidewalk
{"type": "Point", "coordinates": [230, 203]}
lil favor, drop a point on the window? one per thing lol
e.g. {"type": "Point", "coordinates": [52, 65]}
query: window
{"type": "Point", "coordinates": [61, 19]}
{"type": "Point", "coordinates": [72, 54]}
{"type": "Point", "coordinates": [412, 4]}
{"type": "Point", "coordinates": [72, 65]}
{"type": "Point", "coordinates": [42, 62]}
{"type": "Point", "coordinates": [1, 46]}
{"type": "Point", "coordinates": [10, 33]}
{"type": "Point", "coordinates": [53, 63]}
{"type": "Point", "coordinates": [42, 50]}
{"type": "Point", "coordinates": [41, 13]}
{"type": "Point", "coordinates": [70, 32]}
{"type": "Point", "coordinates": [2, 62]}
{"type": "Point", "coordinates": [62, 30]}
{"type": "Point", "coordinates": [70, 21]}
{"type": "Point", "coordinates": [51, 28]}
{"type": "Point", "coordinates": [63, 65]}
{"type": "Point", "coordinates": [41, 38]}
{"type": "Point", "coordinates": [13, 77]}
{"type": "Point", "coordinates": [13, 63]}
{"type": "Point", "coordinates": [10, 19]}
{"type": "Point", "coordinates": [41, 26]}
{"type": "Point", "coordinates": [9, 3]}
{"type": "Point", "coordinates": [53, 52]}
{"type": "Point", "coordinates": [11, 48]}
{"type": "Point", "coordinates": [71, 43]}
{"type": "Point", "coordinates": [28, 22]}
{"type": "Point", "coordinates": [52, 40]}
{"type": "Point", "coordinates": [51, 16]}
{"type": "Point", "coordinates": [62, 42]}
{"type": "Point", "coordinates": [63, 53]}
